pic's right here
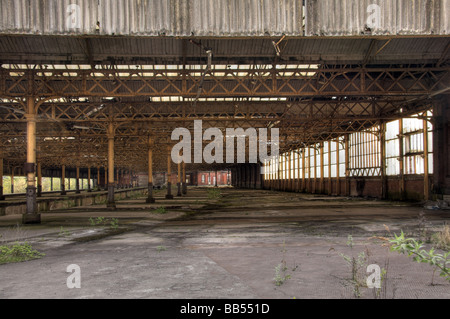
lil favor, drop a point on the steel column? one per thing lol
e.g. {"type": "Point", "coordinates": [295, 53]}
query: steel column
{"type": "Point", "coordinates": [111, 183]}
{"type": "Point", "coordinates": [31, 216]}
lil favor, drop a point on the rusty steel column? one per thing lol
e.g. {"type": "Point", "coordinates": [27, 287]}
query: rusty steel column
{"type": "Point", "coordinates": [289, 171]}
{"type": "Point", "coordinates": [338, 169]}
{"type": "Point", "coordinates": [330, 185]}
{"type": "Point", "coordinates": [426, 178]}
{"type": "Point", "coordinates": [303, 170]}
{"type": "Point", "coordinates": [77, 181]}
{"type": "Point", "coordinates": [31, 216]}
{"type": "Point", "coordinates": [215, 181]}
{"type": "Point", "coordinates": [179, 181]}
{"type": "Point", "coordinates": [39, 179]}
{"type": "Point", "coordinates": [184, 185]}
{"type": "Point", "coordinates": [347, 166]}
{"type": "Point", "coordinates": [12, 180]}
{"type": "Point", "coordinates": [89, 189]}
{"type": "Point", "coordinates": [169, 174]}
{"type": "Point", "coordinates": [106, 178]}
{"type": "Point", "coordinates": [2, 197]}
{"type": "Point", "coordinates": [111, 204]}
{"type": "Point", "coordinates": [150, 198]}
{"type": "Point", "coordinates": [384, 183]}
{"type": "Point", "coordinates": [63, 180]}
{"type": "Point", "coordinates": [322, 170]}
{"type": "Point", "coordinates": [98, 179]}
{"type": "Point", "coordinates": [315, 171]}
{"type": "Point", "coordinates": [401, 159]}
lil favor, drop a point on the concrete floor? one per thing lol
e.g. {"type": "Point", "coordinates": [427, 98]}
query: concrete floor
{"type": "Point", "coordinates": [220, 248]}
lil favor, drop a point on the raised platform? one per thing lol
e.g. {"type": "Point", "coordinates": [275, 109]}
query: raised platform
{"type": "Point", "coordinates": [16, 204]}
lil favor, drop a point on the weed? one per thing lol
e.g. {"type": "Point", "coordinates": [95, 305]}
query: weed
{"type": "Point", "coordinates": [102, 221]}
{"type": "Point", "coordinates": [357, 265]}
{"type": "Point", "coordinates": [97, 221]}
{"type": "Point", "coordinates": [161, 210]}
{"type": "Point", "coordinates": [161, 249]}
{"type": "Point", "coordinates": [18, 253]}
{"type": "Point", "coordinates": [114, 223]}
{"type": "Point", "coordinates": [422, 227]}
{"type": "Point", "coordinates": [441, 240]}
{"type": "Point", "coordinates": [14, 234]}
{"type": "Point", "coordinates": [63, 232]}
{"type": "Point", "coordinates": [281, 275]}
{"type": "Point", "coordinates": [214, 193]}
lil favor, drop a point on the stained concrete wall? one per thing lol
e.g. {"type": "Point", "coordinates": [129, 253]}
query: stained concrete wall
{"type": "Point", "coordinates": [354, 187]}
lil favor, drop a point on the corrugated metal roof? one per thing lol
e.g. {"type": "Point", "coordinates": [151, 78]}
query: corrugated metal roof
{"type": "Point", "coordinates": [224, 18]}
{"type": "Point", "coordinates": [153, 17]}
{"type": "Point", "coordinates": [393, 17]}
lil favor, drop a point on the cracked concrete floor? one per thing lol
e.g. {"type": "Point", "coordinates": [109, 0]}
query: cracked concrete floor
{"type": "Point", "coordinates": [221, 248]}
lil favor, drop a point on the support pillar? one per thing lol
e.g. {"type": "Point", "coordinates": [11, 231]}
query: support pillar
{"type": "Point", "coordinates": [97, 187]}
{"type": "Point", "coordinates": [216, 181]}
{"type": "Point", "coordinates": [106, 177]}
{"type": "Point", "coordinates": [347, 165]}
{"type": "Point", "coordinates": [384, 184]}
{"type": "Point", "coordinates": [441, 149]}
{"type": "Point", "coordinates": [169, 174]}
{"type": "Point", "coordinates": [111, 204]}
{"type": "Point", "coordinates": [426, 179]}
{"type": "Point", "coordinates": [77, 181]}
{"type": "Point", "coordinates": [12, 180]}
{"type": "Point", "coordinates": [2, 197]}
{"type": "Point", "coordinates": [39, 180]}
{"type": "Point", "coordinates": [63, 180]}
{"type": "Point", "coordinates": [31, 216]}
{"type": "Point", "coordinates": [401, 189]}
{"type": "Point", "coordinates": [315, 170]}
{"type": "Point", "coordinates": [330, 185]}
{"type": "Point", "coordinates": [184, 190]}
{"type": "Point", "coordinates": [289, 171]}
{"type": "Point", "coordinates": [150, 198]}
{"type": "Point", "coordinates": [303, 170]}
{"type": "Point", "coordinates": [89, 189]}
{"type": "Point", "coordinates": [338, 169]}
{"type": "Point", "coordinates": [322, 170]}
{"type": "Point", "coordinates": [179, 181]}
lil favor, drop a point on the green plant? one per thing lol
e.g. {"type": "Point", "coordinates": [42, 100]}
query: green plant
{"type": "Point", "coordinates": [357, 266]}
{"type": "Point", "coordinates": [114, 223]}
{"type": "Point", "coordinates": [63, 232]}
{"type": "Point", "coordinates": [214, 193]}
{"type": "Point", "coordinates": [161, 249]}
{"type": "Point", "coordinates": [441, 240]}
{"type": "Point", "coordinates": [97, 221]}
{"type": "Point", "coordinates": [19, 252]}
{"type": "Point", "coordinates": [415, 249]}
{"type": "Point", "coordinates": [161, 210]}
{"type": "Point", "coordinates": [281, 275]}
